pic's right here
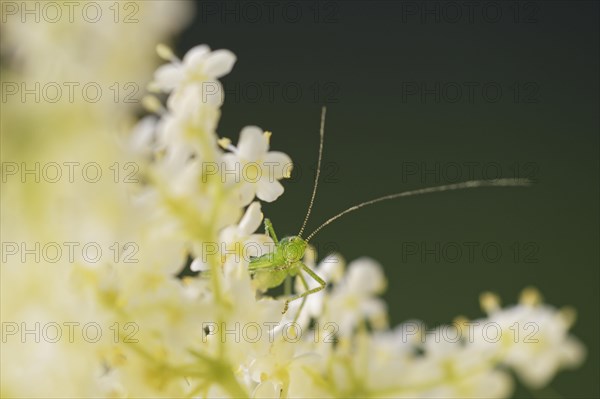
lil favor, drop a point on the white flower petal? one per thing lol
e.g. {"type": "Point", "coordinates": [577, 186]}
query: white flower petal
{"type": "Point", "coordinates": [252, 145]}
{"type": "Point", "coordinates": [229, 235]}
{"type": "Point", "coordinates": [199, 265]}
{"type": "Point", "coordinates": [187, 101]}
{"type": "Point", "coordinates": [213, 93]}
{"type": "Point", "coordinates": [170, 132]}
{"type": "Point", "coordinates": [537, 372]}
{"type": "Point", "coordinates": [175, 160]}
{"type": "Point", "coordinates": [277, 165]}
{"type": "Point", "coordinates": [315, 304]}
{"type": "Point", "coordinates": [219, 63]}
{"type": "Point", "coordinates": [302, 319]}
{"type": "Point", "coordinates": [268, 191]}
{"type": "Point", "coordinates": [230, 168]}
{"type": "Point", "coordinates": [332, 268]}
{"type": "Point", "coordinates": [196, 56]}
{"type": "Point", "coordinates": [186, 181]}
{"type": "Point", "coordinates": [167, 77]}
{"type": "Point", "coordinates": [572, 352]}
{"type": "Point", "coordinates": [251, 219]}
{"type": "Point", "coordinates": [375, 311]}
{"type": "Point", "coordinates": [365, 275]}
{"type": "Point", "coordinates": [267, 389]}
{"type": "Point", "coordinates": [143, 134]}
{"type": "Point", "coordinates": [247, 193]}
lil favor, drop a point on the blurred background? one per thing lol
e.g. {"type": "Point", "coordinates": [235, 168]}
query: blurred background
{"type": "Point", "coordinates": [429, 93]}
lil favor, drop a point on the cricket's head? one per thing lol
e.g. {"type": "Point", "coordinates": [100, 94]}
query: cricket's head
{"type": "Point", "coordinates": [293, 248]}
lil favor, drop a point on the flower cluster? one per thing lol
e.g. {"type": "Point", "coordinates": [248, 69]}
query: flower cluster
{"type": "Point", "coordinates": [214, 333]}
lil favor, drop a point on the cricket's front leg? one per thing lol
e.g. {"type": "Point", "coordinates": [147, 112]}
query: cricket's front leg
{"type": "Point", "coordinates": [316, 277]}
{"type": "Point", "coordinates": [270, 231]}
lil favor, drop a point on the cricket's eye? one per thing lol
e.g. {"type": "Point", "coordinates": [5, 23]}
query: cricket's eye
{"type": "Point", "coordinates": [292, 252]}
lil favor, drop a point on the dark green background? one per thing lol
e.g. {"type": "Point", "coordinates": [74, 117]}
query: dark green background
{"type": "Point", "coordinates": [359, 54]}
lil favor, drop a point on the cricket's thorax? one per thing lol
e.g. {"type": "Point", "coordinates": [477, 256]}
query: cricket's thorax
{"type": "Point", "coordinates": [291, 249]}
{"type": "Point", "coordinates": [270, 270]}
{"type": "Point", "coordinates": [288, 251]}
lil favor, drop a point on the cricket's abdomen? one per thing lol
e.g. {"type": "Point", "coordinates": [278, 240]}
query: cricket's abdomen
{"type": "Point", "coordinates": [269, 270]}
{"type": "Point", "coordinates": [265, 279]}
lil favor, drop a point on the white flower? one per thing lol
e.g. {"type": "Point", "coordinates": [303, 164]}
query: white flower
{"type": "Point", "coordinates": [143, 136]}
{"type": "Point", "coordinates": [270, 370]}
{"type": "Point", "coordinates": [256, 169]}
{"type": "Point", "coordinates": [198, 73]}
{"type": "Point", "coordinates": [353, 299]}
{"type": "Point", "coordinates": [198, 65]}
{"type": "Point", "coordinates": [330, 269]}
{"type": "Point", "coordinates": [273, 370]}
{"type": "Point", "coordinates": [252, 320]}
{"type": "Point", "coordinates": [239, 242]}
{"type": "Point", "coordinates": [192, 117]}
{"type": "Point", "coordinates": [253, 245]}
{"type": "Point", "coordinates": [530, 337]}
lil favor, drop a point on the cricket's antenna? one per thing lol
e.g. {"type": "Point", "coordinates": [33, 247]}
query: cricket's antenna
{"type": "Point", "coordinates": [447, 187]}
{"type": "Point", "coordinates": [314, 193]}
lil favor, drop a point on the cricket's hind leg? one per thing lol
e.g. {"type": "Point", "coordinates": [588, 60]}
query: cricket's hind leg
{"type": "Point", "coordinates": [315, 276]}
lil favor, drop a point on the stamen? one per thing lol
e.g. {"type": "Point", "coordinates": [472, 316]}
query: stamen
{"type": "Point", "coordinates": [267, 135]}
{"type": "Point", "coordinates": [489, 302]}
{"type": "Point", "coordinates": [152, 104]}
{"type": "Point", "coordinates": [152, 87]}
{"type": "Point", "coordinates": [568, 315]}
{"type": "Point", "coordinates": [530, 296]}
{"type": "Point", "coordinates": [166, 53]}
{"type": "Point", "coordinates": [225, 143]}
{"type": "Point", "coordinates": [460, 321]}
